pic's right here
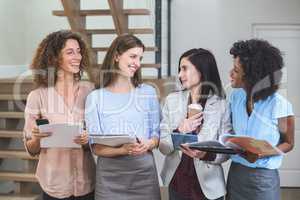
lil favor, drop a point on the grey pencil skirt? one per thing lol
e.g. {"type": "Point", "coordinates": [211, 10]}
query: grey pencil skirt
{"type": "Point", "coordinates": [127, 177]}
{"type": "Point", "coordinates": [246, 183]}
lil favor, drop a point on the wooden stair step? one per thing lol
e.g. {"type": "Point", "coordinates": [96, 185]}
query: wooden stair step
{"type": "Point", "coordinates": [20, 154]}
{"type": "Point", "coordinates": [113, 31]}
{"type": "Point", "coordinates": [18, 176]}
{"type": "Point", "coordinates": [103, 12]}
{"type": "Point", "coordinates": [11, 115]}
{"type": "Point", "coordinates": [13, 97]}
{"type": "Point", "coordinates": [28, 79]}
{"type": "Point", "coordinates": [11, 134]}
{"type": "Point", "coordinates": [19, 196]}
{"type": "Point", "coordinates": [106, 48]}
{"type": "Point", "coordinates": [143, 65]}
{"type": "Point", "coordinates": [139, 11]}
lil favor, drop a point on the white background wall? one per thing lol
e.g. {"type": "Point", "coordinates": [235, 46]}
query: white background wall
{"type": "Point", "coordinates": [23, 26]}
{"type": "Point", "coordinates": [216, 24]}
{"type": "Point", "coordinates": [11, 37]}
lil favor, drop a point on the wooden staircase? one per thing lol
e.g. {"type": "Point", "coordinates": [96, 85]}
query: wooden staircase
{"type": "Point", "coordinates": [77, 20]}
{"type": "Point", "coordinates": [13, 155]}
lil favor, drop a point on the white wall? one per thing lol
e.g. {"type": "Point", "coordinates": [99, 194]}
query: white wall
{"type": "Point", "coordinates": [12, 49]}
{"type": "Point", "coordinates": [23, 25]}
{"type": "Point", "coordinates": [216, 24]}
{"type": "Point", "coordinates": [39, 22]}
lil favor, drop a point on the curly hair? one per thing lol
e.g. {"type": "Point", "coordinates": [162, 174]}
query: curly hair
{"type": "Point", "coordinates": [262, 64]}
{"type": "Point", "coordinates": [47, 58]}
{"type": "Point", "coordinates": [110, 66]}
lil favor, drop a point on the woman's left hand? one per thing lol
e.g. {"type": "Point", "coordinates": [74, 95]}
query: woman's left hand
{"type": "Point", "coordinates": [141, 147]}
{"type": "Point", "coordinates": [250, 157]}
{"type": "Point", "coordinates": [82, 139]}
{"type": "Point", "coordinates": [193, 153]}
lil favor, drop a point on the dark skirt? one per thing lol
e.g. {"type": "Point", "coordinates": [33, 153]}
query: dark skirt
{"type": "Point", "coordinates": [127, 177]}
{"type": "Point", "coordinates": [245, 183]}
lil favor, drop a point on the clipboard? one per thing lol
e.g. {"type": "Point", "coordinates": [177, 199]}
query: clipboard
{"type": "Point", "coordinates": [112, 140]}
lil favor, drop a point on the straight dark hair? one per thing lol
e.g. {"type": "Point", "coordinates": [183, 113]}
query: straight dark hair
{"type": "Point", "coordinates": [206, 65]}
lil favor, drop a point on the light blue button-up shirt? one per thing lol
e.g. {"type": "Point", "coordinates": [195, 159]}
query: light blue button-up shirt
{"type": "Point", "coordinates": [262, 124]}
{"type": "Point", "coordinates": [136, 113]}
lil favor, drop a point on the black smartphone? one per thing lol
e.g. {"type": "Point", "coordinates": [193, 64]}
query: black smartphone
{"type": "Point", "coordinates": [41, 121]}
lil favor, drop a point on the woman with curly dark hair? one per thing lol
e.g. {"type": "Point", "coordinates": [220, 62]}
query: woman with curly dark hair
{"type": "Point", "coordinates": [258, 111]}
{"type": "Point", "coordinates": [59, 97]}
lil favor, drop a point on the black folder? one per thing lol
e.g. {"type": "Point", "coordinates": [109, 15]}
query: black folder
{"type": "Point", "coordinates": [213, 147]}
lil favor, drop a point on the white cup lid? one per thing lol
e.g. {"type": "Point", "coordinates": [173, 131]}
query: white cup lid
{"type": "Point", "coordinates": [195, 106]}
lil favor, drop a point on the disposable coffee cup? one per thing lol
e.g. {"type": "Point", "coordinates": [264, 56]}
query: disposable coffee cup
{"type": "Point", "coordinates": [194, 109]}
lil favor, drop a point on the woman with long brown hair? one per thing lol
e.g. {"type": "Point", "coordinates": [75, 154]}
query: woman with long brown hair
{"type": "Point", "coordinates": [123, 105]}
{"type": "Point", "coordinates": [59, 97]}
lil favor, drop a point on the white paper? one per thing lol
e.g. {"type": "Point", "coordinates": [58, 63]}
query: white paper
{"type": "Point", "coordinates": [62, 135]}
{"type": "Point", "coordinates": [112, 140]}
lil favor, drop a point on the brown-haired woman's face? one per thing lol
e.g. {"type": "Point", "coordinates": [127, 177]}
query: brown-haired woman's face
{"type": "Point", "coordinates": [188, 74]}
{"type": "Point", "coordinates": [236, 74]}
{"type": "Point", "coordinates": [71, 57]}
{"type": "Point", "coordinates": [130, 61]}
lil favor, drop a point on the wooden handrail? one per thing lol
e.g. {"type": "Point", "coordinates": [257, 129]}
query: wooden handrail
{"type": "Point", "coordinates": [119, 18]}
{"type": "Point", "coordinates": [77, 22]}
{"type": "Point", "coordinates": [104, 12]}
{"type": "Point", "coordinates": [71, 10]}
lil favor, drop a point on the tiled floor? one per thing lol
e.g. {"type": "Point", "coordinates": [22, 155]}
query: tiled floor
{"type": "Point", "coordinates": [286, 193]}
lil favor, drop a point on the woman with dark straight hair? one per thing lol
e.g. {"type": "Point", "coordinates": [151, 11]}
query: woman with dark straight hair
{"type": "Point", "coordinates": [195, 174]}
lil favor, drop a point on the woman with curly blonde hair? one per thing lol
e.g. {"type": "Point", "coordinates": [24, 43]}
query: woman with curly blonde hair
{"type": "Point", "coordinates": [59, 97]}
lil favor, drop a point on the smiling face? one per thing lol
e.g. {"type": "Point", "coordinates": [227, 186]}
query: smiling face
{"type": "Point", "coordinates": [130, 61]}
{"type": "Point", "coordinates": [188, 74]}
{"type": "Point", "coordinates": [236, 74]}
{"type": "Point", "coordinates": [71, 57]}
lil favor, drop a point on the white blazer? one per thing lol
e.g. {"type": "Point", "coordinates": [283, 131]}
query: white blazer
{"type": "Point", "coordinates": [216, 121]}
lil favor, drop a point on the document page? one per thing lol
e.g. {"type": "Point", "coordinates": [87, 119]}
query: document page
{"type": "Point", "coordinates": [62, 135]}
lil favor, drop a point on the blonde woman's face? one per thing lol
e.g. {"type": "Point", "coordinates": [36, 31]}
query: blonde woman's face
{"type": "Point", "coordinates": [130, 61]}
{"type": "Point", "coordinates": [71, 57]}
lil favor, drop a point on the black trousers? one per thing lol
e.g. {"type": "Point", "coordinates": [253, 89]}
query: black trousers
{"type": "Point", "coordinates": [89, 196]}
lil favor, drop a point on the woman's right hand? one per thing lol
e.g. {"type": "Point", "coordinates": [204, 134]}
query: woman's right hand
{"type": "Point", "coordinates": [37, 135]}
{"type": "Point", "coordinates": [191, 124]}
{"type": "Point", "coordinates": [193, 153]}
